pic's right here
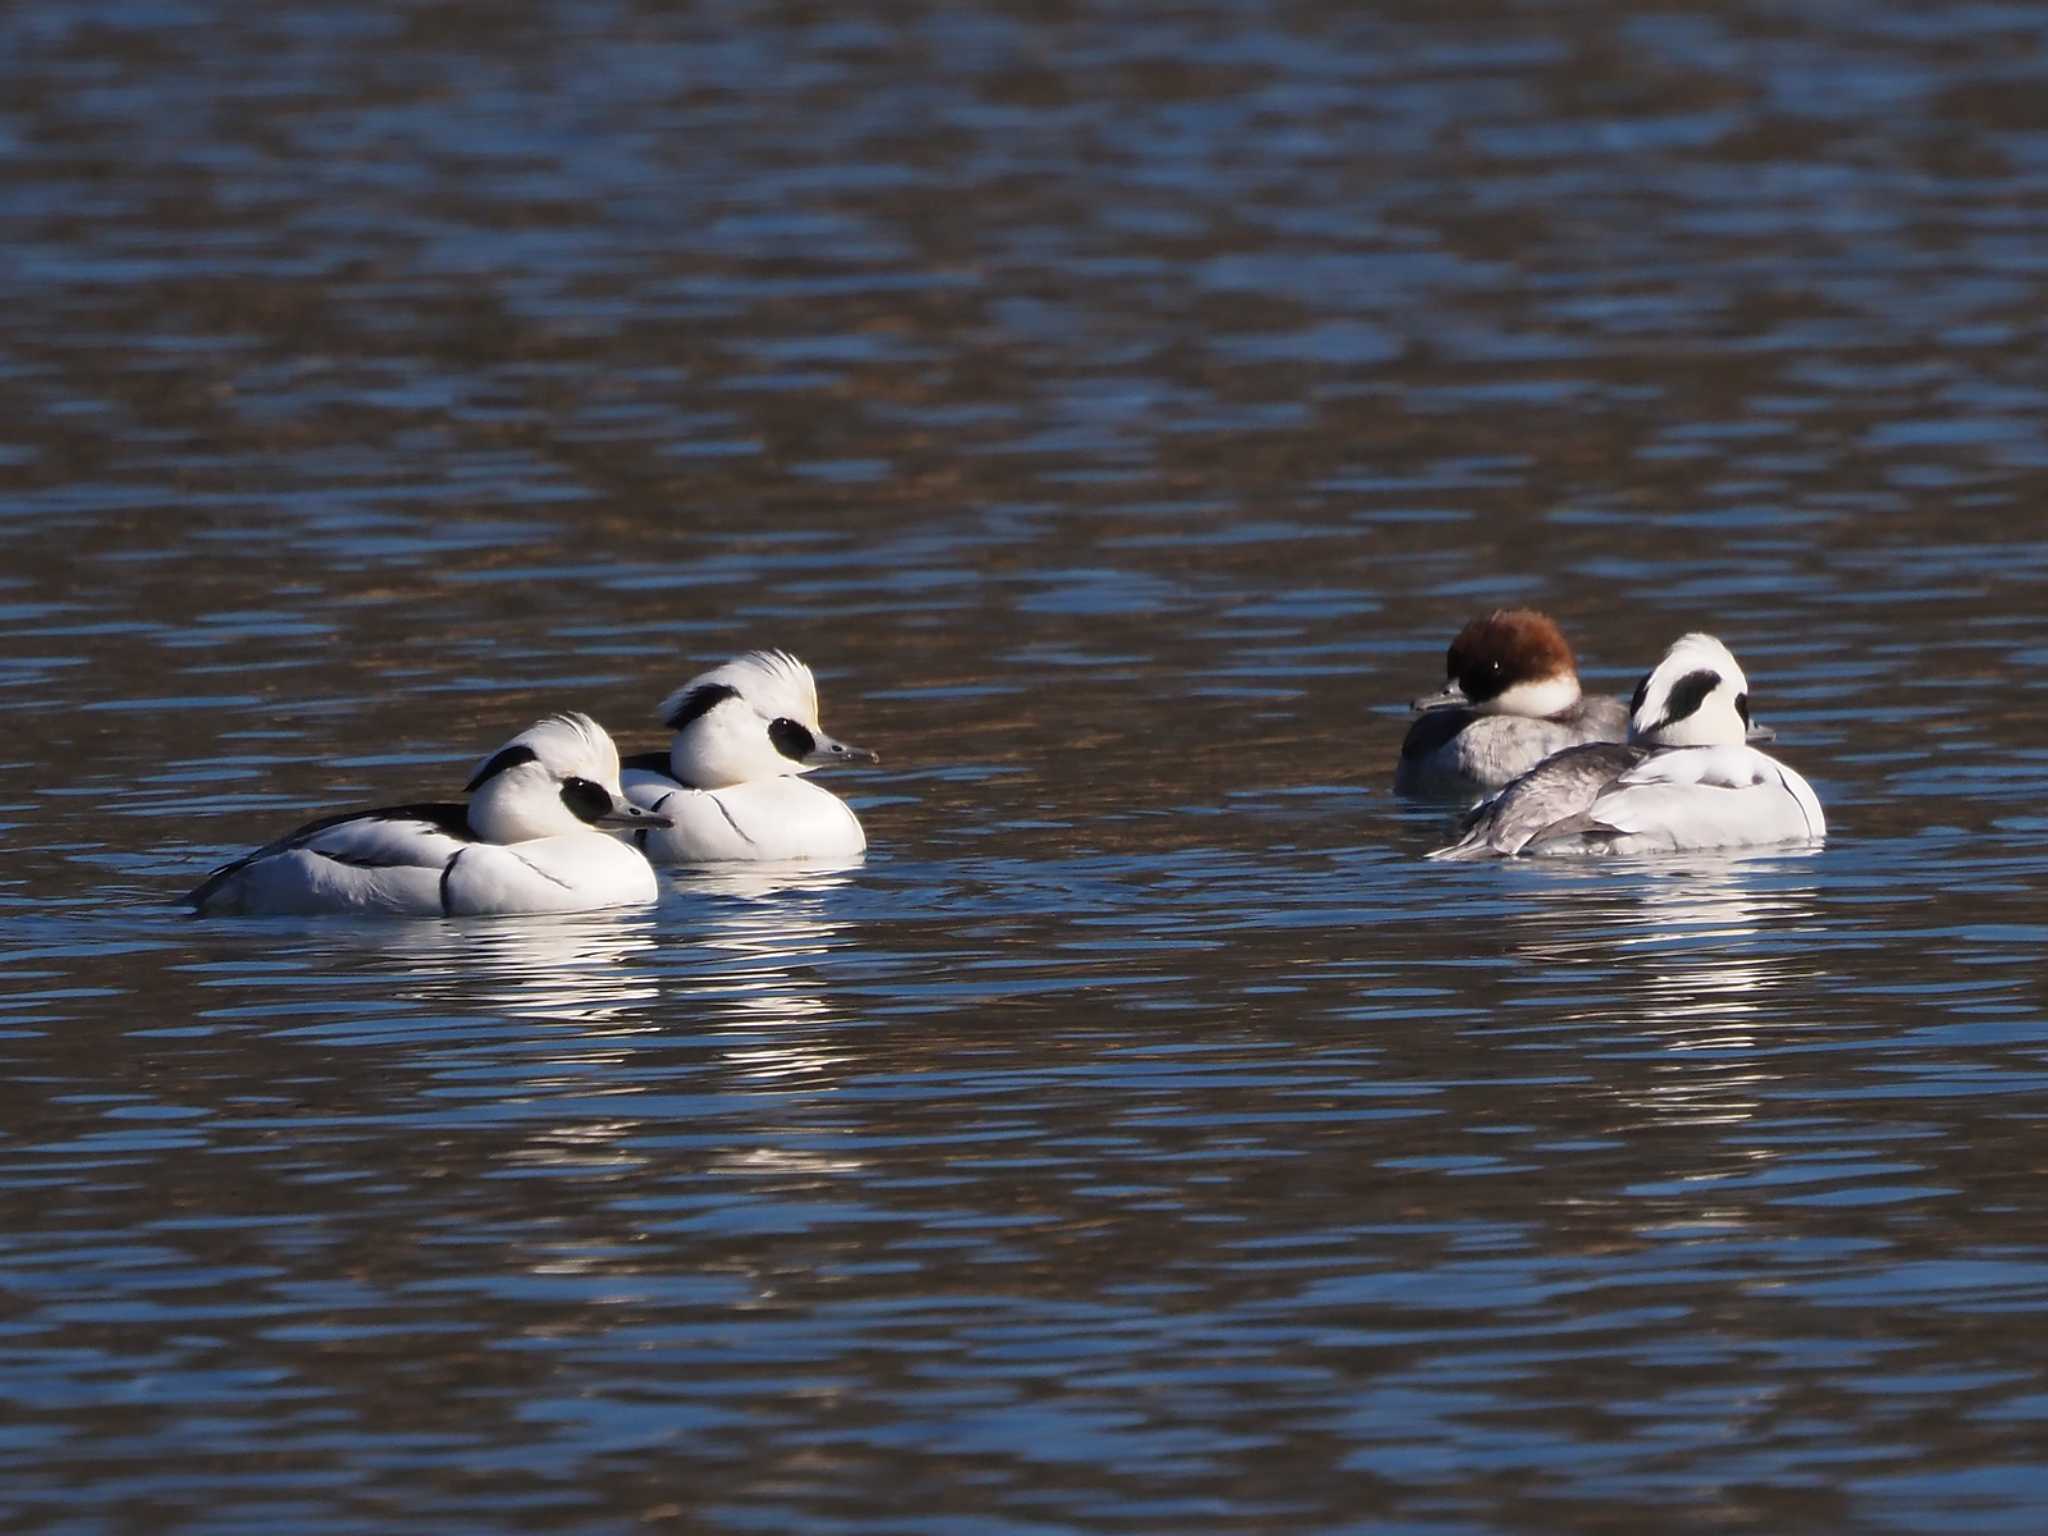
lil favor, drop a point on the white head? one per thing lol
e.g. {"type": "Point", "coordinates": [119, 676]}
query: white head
{"type": "Point", "coordinates": [558, 776]}
{"type": "Point", "coordinates": [1695, 697]}
{"type": "Point", "coordinates": [1512, 662]}
{"type": "Point", "coordinates": [756, 717]}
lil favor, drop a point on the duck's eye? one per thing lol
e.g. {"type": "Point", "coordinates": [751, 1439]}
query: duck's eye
{"type": "Point", "coordinates": [793, 741]}
{"type": "Point", "coordinates": [586, 800]}
{"type": "Point", "coordinates": [1742, 707]}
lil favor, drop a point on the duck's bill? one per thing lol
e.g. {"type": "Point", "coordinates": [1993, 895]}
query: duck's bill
{"type": "Point", "coordinates": [829, 751]}
{"type": "Point", "coordinates": [1759, 733]}
{"type": "Point", "coordinates": [1448, 697]}
{"type": "Point", "coordinates": [623, 814]}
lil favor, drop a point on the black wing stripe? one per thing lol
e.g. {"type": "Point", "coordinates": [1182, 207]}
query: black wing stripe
{"type": "Point", "coordinates": [698, 701]}
{"type": "Point", "coordinates": [447, 870]}
{"type": "Point", "coordinates": [729, 821]}
{"type": "Point", "coordinates": [449, 818]}
{"type": "Point", "coordinates": [510, 757]}
{"type": "Point", "coordinates": [565, 885]}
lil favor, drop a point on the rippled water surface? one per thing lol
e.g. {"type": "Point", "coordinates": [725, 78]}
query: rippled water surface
{"type": "Point", "coordinates": [1120, 411]}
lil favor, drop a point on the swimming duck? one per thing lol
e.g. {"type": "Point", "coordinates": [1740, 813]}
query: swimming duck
{"type": "Point", "coordinates": [730, 783]}
{"type": "Point", "coordinates": [526, 841]}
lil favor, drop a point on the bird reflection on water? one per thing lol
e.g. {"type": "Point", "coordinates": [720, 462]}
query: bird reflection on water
{"type": "Point", "coordinates": [626, 986]}
{"type": "Point", "coordinates": [754, 925]}
{"type": "Point", "coordinates": [1698, 952]}
{"type": "Point", "coordinates": [588, 967]}
{"type": "Point", "coordinates": [1697, 973]}
{"type": "Point", "coordinates": [771, 920]}
{"type": "Point", "coordinates": [763, 923]}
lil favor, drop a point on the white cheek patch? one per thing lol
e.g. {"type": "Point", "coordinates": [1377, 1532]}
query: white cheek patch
{"type": "Point", "coordinates": [1536, 699]}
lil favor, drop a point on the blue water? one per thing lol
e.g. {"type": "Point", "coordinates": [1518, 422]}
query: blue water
{"type": "Point", "coordinates": [1120, 413]}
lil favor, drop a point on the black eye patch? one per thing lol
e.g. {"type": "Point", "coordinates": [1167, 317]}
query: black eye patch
{"type": "Point", "coordinates": [511, 757]}
{"type": "Point", "coordinates": [791, 739]}
{"type": "Point", "coordinates": [1688, 693]}
{"type": "Point", "coordinates": [589, 801]}
{"type": "Point", "coordinates": [1483, 680]}
{"type": "Point", "coordinates": [1742, 707]}
{"type": "Point", "coordinates": [703, 697]}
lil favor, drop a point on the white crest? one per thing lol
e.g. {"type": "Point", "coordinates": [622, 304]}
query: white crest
{"type": "Point", "coordinates": [518, 792]}
{"type": "Point", "coordinates": [754, 718]}
{"type": "Point", "coordinates": [774, 682]}
{"type": "Point", "coordinates": [569, 745]}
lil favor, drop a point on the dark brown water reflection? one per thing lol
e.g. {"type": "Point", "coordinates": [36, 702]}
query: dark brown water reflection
{"type": "Point", "coordinates": [1121, 412]}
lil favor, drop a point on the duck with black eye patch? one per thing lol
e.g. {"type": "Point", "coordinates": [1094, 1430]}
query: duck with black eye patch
{"type": "Point", "coordinates": [530, 839]}
{"type": "Point", "coordinates": [1686, 778]}
{"type": "Point", "coordinates": [1510, 699]}
{"type": "Point", "coordinates": [731, 782]}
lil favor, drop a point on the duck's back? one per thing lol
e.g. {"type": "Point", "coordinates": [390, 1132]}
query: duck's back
{"type": "Point", "coordinates": [1562, 786]}
{"type": "Point", "coordinates": [386, 861]}
{"type": "Point", "coordinates": [1451, 752]}
{"type": "Point", "coordinates": [1692, 798]}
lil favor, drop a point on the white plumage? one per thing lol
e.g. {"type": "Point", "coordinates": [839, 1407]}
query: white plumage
{"type": "Point", "coordinates": [730, 783]}
{"type": "Point", "coordinates": [1684, 780]}
{"type": "Point", "coordinates": [526, 842]}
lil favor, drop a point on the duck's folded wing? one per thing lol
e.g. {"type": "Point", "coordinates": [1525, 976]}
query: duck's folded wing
{"type": "Point", "coordinates": [402, 837]}
{"type": "Point", "coordinates": [1716, 767]}
{"type": "Point", "coordinates": [1705, 797]}
{"type": "Point", "coordinates": [1556, 788]}
{"type": "Point", "coordinates": [395, 837]}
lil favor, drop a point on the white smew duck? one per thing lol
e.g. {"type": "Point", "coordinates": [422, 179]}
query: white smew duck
{"type": "Point", "coordinates": [730, 784]}
{"type": "Point", "coordinates": [527, 841]}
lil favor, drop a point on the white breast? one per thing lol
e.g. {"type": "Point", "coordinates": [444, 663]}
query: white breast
{"type": "Point", "coordinates": [778, 819]}
{"type": "Point", "coordinates": [575, 873]}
